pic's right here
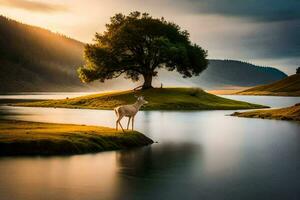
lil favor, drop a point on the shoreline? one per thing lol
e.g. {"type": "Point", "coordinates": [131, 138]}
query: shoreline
{"type": "Point", "coordinates": [291, 113]}
{"type": "Point", "coordinates": [21, 138]}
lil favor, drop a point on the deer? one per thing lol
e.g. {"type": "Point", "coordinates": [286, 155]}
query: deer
{"type": "Point", "coordinates": [129, 111]}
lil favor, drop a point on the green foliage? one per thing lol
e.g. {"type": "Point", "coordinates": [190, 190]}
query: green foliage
{"type": "Point", "coordinates": [158, 98]}
{"type": "Point", "coordinates": [137, 45]}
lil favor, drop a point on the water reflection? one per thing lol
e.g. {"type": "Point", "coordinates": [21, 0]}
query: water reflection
{"type": "Point", "coordinates": [199, 155]}
{"type": "Point", "coordinates": [72, 177]}
{"type": "Point", "coordinates": [158, 172]}
{"type": "Point", "coordinates": [158, 161]}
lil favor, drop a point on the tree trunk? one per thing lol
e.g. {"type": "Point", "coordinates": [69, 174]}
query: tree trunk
{"type": "Point", "coordinates": [147, 81]}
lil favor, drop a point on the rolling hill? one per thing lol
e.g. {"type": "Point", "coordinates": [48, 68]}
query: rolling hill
{"type": "Point", "coordinates": [289, 86]}
{"type": "Point", "coordinates": [222, 74]}
{"type": "Point", "coordinates": [36, 59]}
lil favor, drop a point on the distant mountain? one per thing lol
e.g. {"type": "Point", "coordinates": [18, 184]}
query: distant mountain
{"type": "Point", "coordinates": [36, 59]}
{"type": "Point", "coordinates": [227, 74]}
{"type": "Point", "coordinates": [289, 86]}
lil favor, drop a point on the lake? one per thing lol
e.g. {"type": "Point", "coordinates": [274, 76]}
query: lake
{"type": "Point", "coordinates": [199, 155]}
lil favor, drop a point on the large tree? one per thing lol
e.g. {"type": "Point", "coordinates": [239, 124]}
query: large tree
{"type": "Point", "coordinates": [298, 70]}
{"type": "Point", "coordinates": [138, 45]}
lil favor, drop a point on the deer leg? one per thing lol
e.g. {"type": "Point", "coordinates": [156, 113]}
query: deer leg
{"type": "Point", "coordinates": [128, 122]}
{"type": "Point", "coordinates": [121, 126]}
{"type": "Point", "coordinates": [132, 122]}
{"type": "Point", "coordinates": [119, 123]}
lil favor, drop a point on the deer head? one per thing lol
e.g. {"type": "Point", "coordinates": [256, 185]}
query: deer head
{"type": "Point", "coordinates": [141, 100]}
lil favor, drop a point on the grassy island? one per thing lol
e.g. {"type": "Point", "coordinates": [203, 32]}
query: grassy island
{"type": "Point", "coordinates": [289, 113]}
{"type": "Point", "coordinates": [33, 138]}
{"type": "Point", "coordinates": [159, 99]}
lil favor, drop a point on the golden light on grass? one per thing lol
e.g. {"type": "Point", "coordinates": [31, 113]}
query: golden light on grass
{"type": "Point", "coordinates": [34, 138]}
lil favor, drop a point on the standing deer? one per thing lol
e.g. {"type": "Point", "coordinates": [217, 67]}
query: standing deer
{"type": "Point", "coordinates": [129, 111]}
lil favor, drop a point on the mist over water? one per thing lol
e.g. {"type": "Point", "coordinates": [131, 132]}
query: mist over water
{"type": "Point", "coordinates": [199, 155]}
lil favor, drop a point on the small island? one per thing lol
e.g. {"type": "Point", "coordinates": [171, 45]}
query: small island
{"type": "Point", "coordinates": [34, 138]}
{"type": "Point", "coordinates": [158, 98]}
{"type": "Point", "coordinates": [289, 113]}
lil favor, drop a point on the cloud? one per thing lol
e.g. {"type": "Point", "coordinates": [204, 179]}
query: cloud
{"type": "Point", "coordinates": [258, 10]}
{"type": "Point", "coordinates": [33, 5]}
{"type": "Point", "coordinates": [273, 26]}
{"type": "Point", "coordinates": [260, 28]}
{"type": "Point", "coordinates": [275, 40]}
{"type": "Point", "coordinates": [265, 31]}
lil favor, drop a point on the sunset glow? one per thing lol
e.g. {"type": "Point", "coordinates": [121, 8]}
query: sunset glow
{"type": "Point", "coordinates": [248, 32]}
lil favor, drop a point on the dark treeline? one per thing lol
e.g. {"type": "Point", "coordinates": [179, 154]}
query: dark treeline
{"type": "Point", "coordinates": [33, 58]}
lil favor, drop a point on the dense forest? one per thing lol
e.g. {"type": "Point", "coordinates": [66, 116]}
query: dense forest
{"type": "Point", "coordinates": [36, 59]}
{"type": "Point", "coordinates": [33, 59]}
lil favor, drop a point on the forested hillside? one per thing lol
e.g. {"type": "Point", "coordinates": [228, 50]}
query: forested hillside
{"type": "Point", "coordinates": [35, 59]}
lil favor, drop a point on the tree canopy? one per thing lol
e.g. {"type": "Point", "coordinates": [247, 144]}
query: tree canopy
{"type": "Point", "coordinates": [298, 70]}
{"type": "Point", "coordinates": [136, 46]}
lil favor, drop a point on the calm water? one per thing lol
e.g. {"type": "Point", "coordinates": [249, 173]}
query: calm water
{"type": "Point", "coordinates": [199, 155]}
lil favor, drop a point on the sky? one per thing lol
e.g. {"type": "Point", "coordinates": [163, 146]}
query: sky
{"type": "Point", "coordinates": [263, 32]}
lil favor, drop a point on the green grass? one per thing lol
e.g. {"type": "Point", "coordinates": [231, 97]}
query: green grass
{"type": "Point", "coordinates": [289, 113]}
{"type": "Point", "coordinates": [33, 138]}
{"type": "Point", "coordinates": [158, 98]}
{"type": "Point", "coordinates": [289, 86]}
